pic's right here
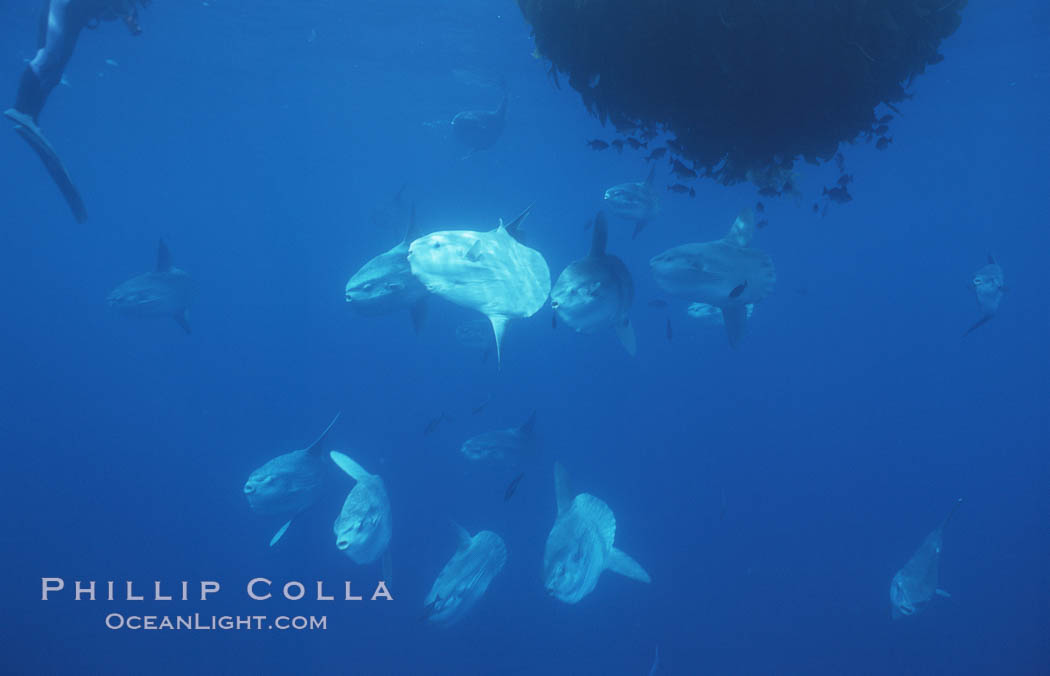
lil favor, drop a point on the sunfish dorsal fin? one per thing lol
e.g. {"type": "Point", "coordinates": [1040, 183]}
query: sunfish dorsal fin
{"type": "Point", "coordinates": [742, 230]}
{"type": "Point", "coordinates": [315, 448]}
{"type": "Point", "coordinates": [562, 489]}
{"type": "Point", "coordinates": [601, 235]}
{"type": "Point", "coordinates": [412, 231]}
{"type": "Point", "coordinates": [951, 514]}
{"type": "Point", "coordinates": [348, 465]}
{"type": "Point", "coordinates": [163, 257]}
{"type": "Point", "coordinates": [525, 429]}
{"type": "Point", "coordinates": [991, 260]}
{"type": "Point", "coordinates": [463, 538]}
{"type": "Point", "coordinates": [513, 227]}
{"type": "Point", "coordinates": [499, 325]}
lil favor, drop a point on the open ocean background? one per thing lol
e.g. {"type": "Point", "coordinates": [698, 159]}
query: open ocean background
{"type": "Point", "coordinates": [265, 141]}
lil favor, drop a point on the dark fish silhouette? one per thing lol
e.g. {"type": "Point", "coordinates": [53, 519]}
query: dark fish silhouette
{"type": "Point", "coordinates": [759, 207]}
{"type": "Point", "coordinates": [845, 180]}
{"type": "Point", "coordinates": [618, 144]}
{"type": "Point", "coordinates": [481, 407]}
{"type": "Point", "coordinates": [433, 424]}
{"type": "Point", "coordinates": [881, 129]}
{"type": "Point", "coordinates": [656, 154]}
{"type": "Point", "coordinates": [668, 328]}
{"type": "Point", "coordinates": [635, 143]}
{"type": "Point", "coordinates": [735, 293]}
{"type": "Point", "coordinates": [597, 144]}
{"type": "Point", "coordinates": [884, 142]}
{"type": "Point", "coordinates": [838, 194]}
{"type": "Point", "coordinates": [682, 189]}
{"type": "Point", "coordinates": [656, 302]}
{"type": "Point", "coordinates": [513, 486]}
{"type": "Point", "coordinates": [681, 171]}
{"type": "Point", "coordinates": [884, 119]}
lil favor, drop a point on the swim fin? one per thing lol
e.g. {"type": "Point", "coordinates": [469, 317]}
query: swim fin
{"type": "Point", "coordinates": [28, 130]}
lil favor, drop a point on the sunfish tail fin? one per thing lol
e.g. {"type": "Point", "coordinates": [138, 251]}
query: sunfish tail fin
{"type": "Point", "coordinates": [562, 489]}
{"type": "Point", "coordinates": [499, 326]}
{"type": "Point", "coordinates": [619, 562]}
{"type": "Point", "coordinates": [601, 235]}
{"type": "Point", "coordinates": [735, 317]}
{"type": "Point", "coordinates": [315, 448]}
{"type": "Point", "coordinates": [348, 465]}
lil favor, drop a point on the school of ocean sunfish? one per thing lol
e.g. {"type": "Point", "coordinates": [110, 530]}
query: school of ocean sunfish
{"type": "Point", "coordinates": [492, 272]}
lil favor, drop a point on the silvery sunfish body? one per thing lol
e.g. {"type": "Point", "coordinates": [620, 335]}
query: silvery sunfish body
{"type": "Point", "coordinates": [165, 292]}
{"type": "Point", "coordinates": [464, 579]}
{"type": "Point", "coordinates": [595, 293]}
{"type": "Point", "coordinates": [385, 284]}
{"type": "Point", "coordinates": [490, 272]}
{"type": "Point", "coordinates": [289, 483]}
{"type": "Point", "coordinates": [580, 545]}
{"type": "Point", "coordinates": [726, 273]}
{"type": "Point", "coordinates": [915, 584]}
{"type": "Point", "coordinates": [636, 202]}
{"type": "Point", "coordinates": [364, 526]}
{"type": "Point", "coordinates": [480, 129]}
{"type": "Point", "coordinates": [988, 285]}
{"type": "Point", "coordinates": [709, 315]}
{"type": "Point", "coordinates": [499, 445]}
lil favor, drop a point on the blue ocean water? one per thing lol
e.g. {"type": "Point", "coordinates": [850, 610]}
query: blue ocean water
{"type": "Point", "coordinates": [770, 491]}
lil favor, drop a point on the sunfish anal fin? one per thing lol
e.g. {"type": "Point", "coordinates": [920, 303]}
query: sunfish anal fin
{"type": "Point", "coordinates": [183, 320]}
{"type": "Point", "coordinates": [418, 312]}
{"type": "Point", "coordinates": [499, 326]}
{"type": "Point", "coordinates": [621, 563]}
{"type": "Point", "coordinates": [625, 332]}
{"type": "Point", "coordinates": [735, 317]}
{"type": "Point", "coordinates": [280, 532]}
{"type": "Point", "coordinates": [601, 235]}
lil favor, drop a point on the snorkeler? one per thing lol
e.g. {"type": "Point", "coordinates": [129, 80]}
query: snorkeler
{"type": "Point", "coordinates": [60, 24]}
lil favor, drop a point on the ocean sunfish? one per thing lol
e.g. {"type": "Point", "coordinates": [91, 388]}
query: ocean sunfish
{"type": "Point", "coordinates": [988, 285]}
{"type": "Point", "coordinates": [479, 129]}
{"type": "Point", "coordinates": [709, 315]}
{"type": "Point", "coordinates": [166, 291]}
{"type": "Point", "coordinates": [915, 584]}
{"type": "Point", "coordinates": [289, 483]}
{"type": "Point", "coordinates": [364, 526]}
{"type": "Point", "coordinates": [726, 273]}
{"type": "Point", "coordinates": [490, 272]}
{"type": "Point", "coordinates": [499, 445]}
{"type": "Point", "coordinates": [464, 579]}
{"type": "Point", "coordinates": [385, 284]}
{"type": "Point", "coordinates": [580, 545]}
{"type": "Point", "coordinates": [595, 293]}
{"type": "Point", "coordinates": [636, 202]}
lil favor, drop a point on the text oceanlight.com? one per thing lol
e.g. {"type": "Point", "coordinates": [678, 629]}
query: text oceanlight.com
{"type": "Point", "coordinates": [198, 622]}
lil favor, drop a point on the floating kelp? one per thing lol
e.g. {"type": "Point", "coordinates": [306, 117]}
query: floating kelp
{"type": "Point", "coordinates": [745, 86]}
